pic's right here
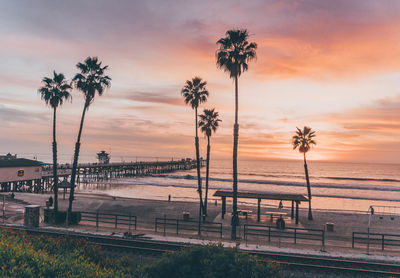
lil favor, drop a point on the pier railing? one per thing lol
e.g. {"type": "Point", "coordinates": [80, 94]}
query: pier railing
{"type": "Point", "coordinates": [109, 220]}
{"type": "Point", "coordinates": [94, 172]}
{"type": "Point", "coordinates": [165, 225]}
{"type": "Point", "coordinates": [382, 240]}
{"type": "Point", "coordinates": [269, 232]}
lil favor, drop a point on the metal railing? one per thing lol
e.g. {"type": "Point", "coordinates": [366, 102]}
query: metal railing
{"type": "Point", "coordinates": [291, 233]}
{"type": "Point", "coordinates": [105, 219]}
{"type": "Point", "coordinates": [375, 238]}
{"type": "Point", "coordinates": [180, 225]}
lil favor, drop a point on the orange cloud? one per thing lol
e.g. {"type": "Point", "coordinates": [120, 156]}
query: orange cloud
{"type": "Point", "coordinates": [368, 133]}
{"type": "Point", "coordinates": [346, 54]}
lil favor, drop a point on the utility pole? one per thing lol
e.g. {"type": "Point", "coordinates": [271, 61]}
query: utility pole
{"type": "Point", "coordinates": [370, 213]}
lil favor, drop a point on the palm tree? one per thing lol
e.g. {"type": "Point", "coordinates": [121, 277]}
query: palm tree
{"type": "Point", "coordinates": [233, 56]}
{"type": "Point", "coordinates": [208, 124]}
{"type": "Point", "coordinates": [195, 93]}
{"type": "Point", "coordinates": [90, 80]}
{"type": "Point", "coordinates": [303, 140]}
{"type": "Point", "coordinates": [54, 92]}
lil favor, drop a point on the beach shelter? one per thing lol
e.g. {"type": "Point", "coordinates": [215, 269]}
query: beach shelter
{"type": "Point", "coordinates": [295, 198]}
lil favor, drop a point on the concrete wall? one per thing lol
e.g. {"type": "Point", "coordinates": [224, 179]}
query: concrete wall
{"type": "Point", "coordinates": [11, 173]}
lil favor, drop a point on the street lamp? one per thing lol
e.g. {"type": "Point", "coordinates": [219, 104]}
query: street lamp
{"type": "Point", "coordinates": [370, 213]}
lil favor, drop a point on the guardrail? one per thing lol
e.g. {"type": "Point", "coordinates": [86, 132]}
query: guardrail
{"type": "Point", "coordinates": [116, 220]}
{"type": "Point", "coordinates": [373, 238]}
{"type": "Point", "coordinates": [292, 233]}
{"type": "Point", "coordinates": [179, 225]}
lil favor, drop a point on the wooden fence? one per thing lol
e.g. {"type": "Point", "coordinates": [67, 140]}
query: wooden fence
{"type": "Point", "coordinates": [383, 240]}
{"type": "Point", "coordinates": [109, 220]}
{"type": "Point", "coordinates": [264, 231]}
{"type": "Point", "coordinates": [181, 226]}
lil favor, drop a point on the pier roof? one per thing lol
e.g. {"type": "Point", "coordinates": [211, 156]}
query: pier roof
{"type": "Point", "coordinates": [262, 195]}
{"type": "Point", "coordinates": [19, 162]}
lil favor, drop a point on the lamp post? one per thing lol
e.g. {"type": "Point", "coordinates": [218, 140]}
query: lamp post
{"type": "Point", "coordinates": [370, 213]}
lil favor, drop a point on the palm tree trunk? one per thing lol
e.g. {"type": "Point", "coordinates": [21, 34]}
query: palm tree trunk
{"type": "Point", "coordinates": [310, 217]}
{"type": "Point", "coordinates": [235, 218]}
{"type": "Point", "coordinates": [207, 174]}
{"type": "Point", "coordinates": [55, 177]}
{"type": "Point", "coordinates": [75, 164]}
{"type": "Point", "coordinates": [198, 174]}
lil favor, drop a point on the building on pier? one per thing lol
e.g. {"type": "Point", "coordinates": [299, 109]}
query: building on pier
{"type": "Point", "coordinates": [103, 157]}
{"type": "Point", "coordinates": [8, 156]}
{"type": "Point", "coordinates": [18, 173]}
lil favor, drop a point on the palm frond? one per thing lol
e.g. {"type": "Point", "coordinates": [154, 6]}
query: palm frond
{"type": "Point", "coordinates": [235, 52]}
{"type": "Point", "coordinates": [195, 92]}
{"type": "Point", "coordinates": [209, 121]}
{"type": "Point", "coordinates": [91, 78]}
{"type": "Point", "coordinates": [55, 90]}
{"type": "Point", "coordinates": [303, 139]}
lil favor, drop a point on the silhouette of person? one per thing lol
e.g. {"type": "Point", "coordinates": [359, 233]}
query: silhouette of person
{"type": "Point", "coordinates": [50, 201]}
{"type": "Point", "coordinates": [280, 205]}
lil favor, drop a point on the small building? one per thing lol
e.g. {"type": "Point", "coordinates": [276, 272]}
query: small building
{"type": "Point", "coordinates": [14, 169]}
{"type": "Point", "coordinates": [8, 156]}
{"type": "Point", "coordinates": [103, 157]}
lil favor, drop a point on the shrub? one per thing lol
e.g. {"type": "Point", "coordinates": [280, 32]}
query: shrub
{"type": "Point", "coordinates": [211, 261]}
{"type": "Point", "coordinates": [22, 255]}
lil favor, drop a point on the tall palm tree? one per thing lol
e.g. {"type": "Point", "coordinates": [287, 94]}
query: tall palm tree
{"type": "Point", "coordinates": [90, 80]}
{"type": "Point", "coordinates": [304, 140]}
{"type": "Point", "coordinates": [54, 92]}
{"type": "Point", "coordinates": [233, 56]}
{"type": "Point", "coordinates": [208, 124]}
{"type": "Point", "coordinates": [195, 92]}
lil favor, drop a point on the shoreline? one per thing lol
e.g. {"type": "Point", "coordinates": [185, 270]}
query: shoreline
{"type": "Point", "coordinates": [151, 191]}
{"type": "Point", "coordinates": [214, 188]}
{"type": "Point", "coordinates": [104, 196]}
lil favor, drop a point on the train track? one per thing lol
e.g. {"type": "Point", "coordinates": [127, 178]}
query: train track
{"type": "Point", "coordinates": [303, 262]}
{"type": "Point", "coordinates": [132, 244]}
{"type": "Point", "coordinates": [332, 264]}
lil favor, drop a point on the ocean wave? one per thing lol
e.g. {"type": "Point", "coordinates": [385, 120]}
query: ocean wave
{"type": "Point", "coordinates": [321, 177]}
{"type": "Point", "coordinates": [273, 176]}
{"type": "Point", "coordinates": [320, 196]}
{"type": "Point", "coordinates": [265, 175]}
{"type": "Point", "coordinates": [194, 187]}
{"type": "Point", "coordinates": [361, 179]}
{"type": "Point", "coordinates": [355, 197]}
{"type": "Point", "coordinates": [296, 176]}
{"type": "Point", "coordinates": [286, 183]}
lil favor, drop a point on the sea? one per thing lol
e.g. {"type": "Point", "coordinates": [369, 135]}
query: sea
{"type": "Point", "coordinates": [334, 185]}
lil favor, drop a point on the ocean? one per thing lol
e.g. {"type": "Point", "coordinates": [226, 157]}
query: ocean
{"type": "Point", "coordinates": [334, 185]}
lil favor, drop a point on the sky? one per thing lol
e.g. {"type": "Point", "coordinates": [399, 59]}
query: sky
{"type": "Point", "coordinates": [330, 65]}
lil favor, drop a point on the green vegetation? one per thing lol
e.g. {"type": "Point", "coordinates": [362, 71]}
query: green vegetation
{"type": "Point", "coordinates": [211, 261]}
{"type": "Point", "coordinates": [23, 255]}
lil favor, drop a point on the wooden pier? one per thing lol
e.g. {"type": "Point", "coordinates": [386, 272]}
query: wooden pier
{"type": "Point", "coordinates": [94, 172]}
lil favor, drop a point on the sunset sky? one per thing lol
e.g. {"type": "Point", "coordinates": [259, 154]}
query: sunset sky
{"type": "Point", "coordinates": [331, 65]}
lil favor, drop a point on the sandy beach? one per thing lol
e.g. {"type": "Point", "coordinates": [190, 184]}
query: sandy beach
{"type": "Point", "coordinates": [147, 210]}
